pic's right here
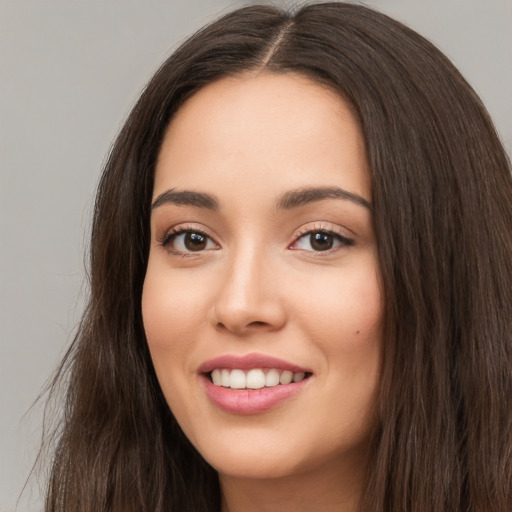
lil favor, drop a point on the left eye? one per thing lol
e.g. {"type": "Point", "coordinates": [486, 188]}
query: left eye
{"type": "Point", "coordinates": [319, 241]}
{"type": "Point", "coordinates": [191, 241]}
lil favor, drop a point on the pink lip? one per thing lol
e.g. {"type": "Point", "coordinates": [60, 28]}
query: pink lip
{"type": "Point", "coordinates": [249, 401]}
{"type": "Point", "coordinates": [248, 362]}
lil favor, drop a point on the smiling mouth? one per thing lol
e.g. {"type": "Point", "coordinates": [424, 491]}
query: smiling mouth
{"type": "Point", "coordinates": [256, 378]}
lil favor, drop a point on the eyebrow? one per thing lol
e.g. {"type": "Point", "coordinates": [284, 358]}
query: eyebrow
{"type": "Point", "coordinates": [295, 198]}
{"type": "Point", "coordinates": [287, 201]}
{"type": "Point", "coordinates": [186, 198]}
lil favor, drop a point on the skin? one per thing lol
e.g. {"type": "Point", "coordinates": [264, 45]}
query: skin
{"type": "Point", "coordinates": [258, 286]}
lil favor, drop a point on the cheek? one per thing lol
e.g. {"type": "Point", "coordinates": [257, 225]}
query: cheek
{"type": "Point", "coordinates": [346, 324]}
{"type": "Point", "coordinates": [344, 308]}
{"type": "Point", "coordinates": [169, 319]}
{"type": "Point", "coordinates": [171, 306]}
{"type": "Point", "coordinates": [169, 324]}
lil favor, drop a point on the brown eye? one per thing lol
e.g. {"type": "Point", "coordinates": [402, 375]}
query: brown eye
{"type": "Point", "coordinates": [321, 241]}
{"type": "Point", "coordinates": [195, 241]}
{"type": "Point", "coordinates": [187, 241]}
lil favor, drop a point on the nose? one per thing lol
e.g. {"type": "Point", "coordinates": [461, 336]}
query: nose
{"type": "Point", "coordinates": [248, 297]}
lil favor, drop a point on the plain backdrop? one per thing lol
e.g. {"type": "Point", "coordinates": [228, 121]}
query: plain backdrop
{"type": "Point", "coordinates": [69, 73]}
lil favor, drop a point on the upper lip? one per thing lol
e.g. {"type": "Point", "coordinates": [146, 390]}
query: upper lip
{"type": "Point", "coordinates": [248, 362]}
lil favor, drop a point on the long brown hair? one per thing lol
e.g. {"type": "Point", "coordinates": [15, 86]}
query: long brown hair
{"type": "Point", "coordinates": [442, 194]}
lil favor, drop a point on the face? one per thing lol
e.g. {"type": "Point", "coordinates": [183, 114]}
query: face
{"type": "Point", "coordinates": [261, 303]}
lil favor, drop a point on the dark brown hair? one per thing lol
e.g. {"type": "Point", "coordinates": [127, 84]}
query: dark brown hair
{"type": "Point", "coordinates": [442, 194]}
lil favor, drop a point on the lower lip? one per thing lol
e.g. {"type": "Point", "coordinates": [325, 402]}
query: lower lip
{"type": "Point", "coordinates": [250, 401]}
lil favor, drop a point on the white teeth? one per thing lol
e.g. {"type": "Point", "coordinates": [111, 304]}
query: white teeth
{"type": "Point", "coordinates": [216, 377]}
{"type": "Point", "coordinates": [286, 377]}
{"type": "Point", "coordinates": [237, 379]}
{"type": "Point", "coordinates": [224, 378]}
{"type": "Point", "coordinates": [272, 378]}
{"type": "Point", "coordinates": [254, 379]}
{"type": "Point", "coordinates": [297, 377]}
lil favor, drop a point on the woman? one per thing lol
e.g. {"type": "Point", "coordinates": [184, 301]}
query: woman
{"type": "Point", "coordinates": [301, 260]}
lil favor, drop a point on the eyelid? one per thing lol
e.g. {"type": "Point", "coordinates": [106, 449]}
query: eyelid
{"type": "Point", "coordinates": [173, 232]}
{"type": "Point", "coordinates": [308, 229]}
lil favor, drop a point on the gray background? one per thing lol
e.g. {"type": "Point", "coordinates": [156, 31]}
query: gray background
{"type": "Point", "coordinates": [69, 72]}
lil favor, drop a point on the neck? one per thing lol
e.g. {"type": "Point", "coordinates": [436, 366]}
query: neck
{"type": "Point", "coordinates": [325, 490]}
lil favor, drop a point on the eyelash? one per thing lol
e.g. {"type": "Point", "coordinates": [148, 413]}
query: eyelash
{"type": "Point", "coordinates": [170, 235]}
{"type": "Point", "coordinates": [343, 239]}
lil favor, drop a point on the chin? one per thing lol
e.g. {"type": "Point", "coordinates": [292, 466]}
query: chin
{"type": "Point", "coordinates": [255, 457]}
{"type": "Point", "coordinates": [245, 455]}
{"type": "Point", "coordinates": [257, 468]}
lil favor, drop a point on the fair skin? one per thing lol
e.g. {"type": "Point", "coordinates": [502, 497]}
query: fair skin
{"type": "Point", "coordinates": [246, 267]}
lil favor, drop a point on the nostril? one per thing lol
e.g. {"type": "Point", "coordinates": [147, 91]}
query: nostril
{"type": "Point", "coordinates": [243, 327]}
{"type": "Point", "coordinates": [258, 324]}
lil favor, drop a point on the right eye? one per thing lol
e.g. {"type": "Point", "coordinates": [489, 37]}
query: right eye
{"type": "Point", "coordinates": [186, 241]}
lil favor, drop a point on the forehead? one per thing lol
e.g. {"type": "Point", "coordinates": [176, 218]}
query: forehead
{"type": "Point", "coordinates": [281, 129]}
